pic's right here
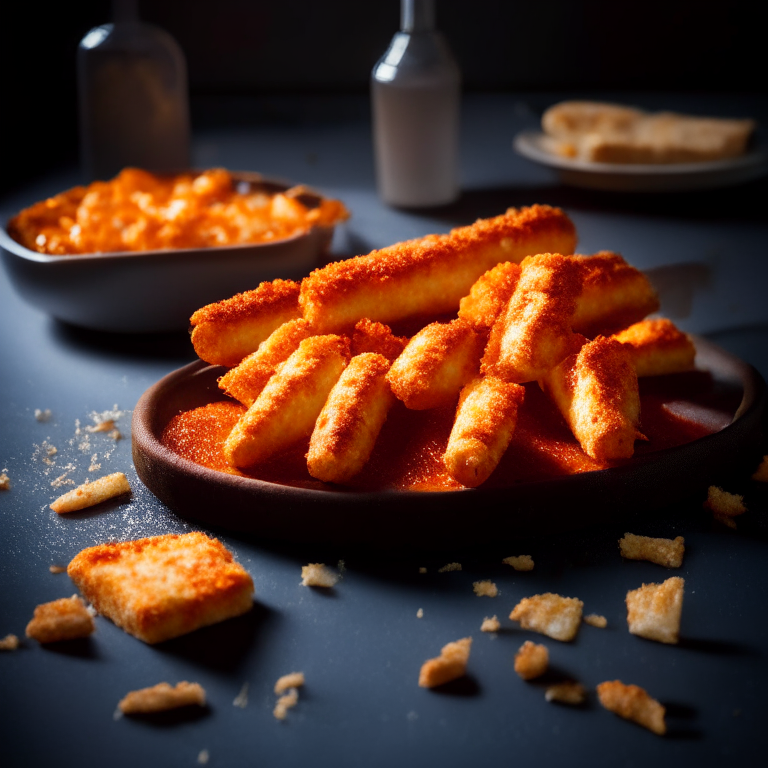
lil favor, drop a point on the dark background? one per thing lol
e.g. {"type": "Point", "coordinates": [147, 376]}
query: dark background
{"type": "Point", "coordinates": [240, 49]}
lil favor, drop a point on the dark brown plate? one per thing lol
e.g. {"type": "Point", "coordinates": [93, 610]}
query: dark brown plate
{"type": "Point", "coordinates": [435, 519]}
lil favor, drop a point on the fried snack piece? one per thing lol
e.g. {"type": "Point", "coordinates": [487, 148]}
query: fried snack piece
{"type": "Point", "coordinates": [90, 494]}
{"type": "Point", "coordinates": [284, 703]}
{"type": "Point", "coordinates": [596, 620]}
{"type": "Point", "coordinates": [249, 377]}
{"type": "Point", "coordinates": [491, 624]}
{"type": "Point", "coordinates": [225, 332]}
{"type": "Point", "coordinates": [428, 276]}
{"type": "Point", "coordinates": [5, 482]}
{"type": "Point", "coordinates": [519, 562]}
{"type": "Point", "coordinates": [162, 697]}
{"type": "Point", "coordinates": [596, 391]}
{"type": "Point", "coordinates": [553, 615]}
{"type": "Point", "coordinates": [531, 660]}
{"type": "Point", "coordinates": [163, 586]}
{"type": "Point", "coordinates": [485, 422]}
{"type": "Point", "coordinates": [566, 693]}
{"type": "Point", "coordinates": [351, 419]}
{"type": "Point", "coordinates": [633, 703]}
{"type": "Point", "coordinates": [291, 680]}
{"type": "Point", "coordinates": [666, 552]}
{"type": "Point", "coordinates": [725, 506]}
{"type": "Point", "coordinates": [318, 575]}
{"type": "Point", "coordinates": [448, 567]}
{"type": "Point", "coordinates": [657, 347]}
{"type": "Point", "coordinates": [9, 643]}
{"type": "Point", "coordinates": [485, 588]}
{"type": "Point", "coordinates": [449, 665]}
{"type": "Point", "coordinates": [489, 295]}
{"type": "Point", "coordinates": [533, 334]}
{"type": "Point", "coordinates": [287, 408]}
{"type": "Point", "coordinates": [653, 610]}
{"type": "Point", "coordinates": [64, 619]}
{"type": "Point", "coordinates": [438, 361]}
{"type": "Point", "coordinates": [378, 338]}
{"type": "Point", "coordinates": [613, 295]}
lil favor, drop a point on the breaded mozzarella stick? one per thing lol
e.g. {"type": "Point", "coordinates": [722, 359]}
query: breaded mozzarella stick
{"type": "Point", "coordinates": [489, 295]}
{"type": "Point", "coordinates": [533, 334]}
{"type": "Point", "coordinates": [350, 422]}
{"type": "Point", "coordinates": [225, 332]}
{"type": "Point", "coordinates": [438, 361]}
{"type": "Point", "coordinates": [596, 391]}
{"type": "Point", "coordinates": [377, 337]}
{"type": "Point", "coordinates": [287, 408]}
{"type": "Point", "coordinates": [657, 347]}
{"type": "Point", "coordinates": [483, 428]}
{"type": "Point", "coordinates": [245, 381]}
{"type": "Point", "coordinates": [429, 275]}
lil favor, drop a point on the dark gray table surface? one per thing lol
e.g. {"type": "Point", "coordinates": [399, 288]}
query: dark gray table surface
{"type": "Point", "coordinates": [361, 645]}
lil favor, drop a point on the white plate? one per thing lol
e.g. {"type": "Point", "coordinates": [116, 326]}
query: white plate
{"type": "Point", "coordinates": [613, 177]}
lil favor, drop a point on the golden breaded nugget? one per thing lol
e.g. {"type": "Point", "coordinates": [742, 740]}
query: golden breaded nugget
{"type": "Point", "coordinates": [428, 276]}
{"type": "Point", "coordinates": [65, 619]}
{"type": "Point", "coordinates": [489, 295]}
{"type": "Point", "coordinates": [287, 408]}
{"type": "Point", "coordinates": [553, 615]}
{"type": "Point", "coordinates": [163, 586]}
{"type": "Point", "coordinates": [596, 391]}
{"type": "Point", "coordinates": [633, 703]}
{"type": "Point", "coordinates": [666, 552]}
{"type": "Point", "coordinates": [246, 380]}
{"type": "Point", "coordinates": [485, 422]}
{"type": "Point", "coordinates": [657, 347]}
{"type": "Point", "coordinates": [438, 361]}
{"type": "Point", "coordinates": [225, 332]}
{"type": "Point", "coordinates": [613, 295]}
{"type": "Point", "coordinates": [378, 338]}
{"type": "Point", "coordinates": [90, 494]}
{"type": "Point", "coordinates": [653, 610]}
{"type": "Point", "coordinates": [531, 660]}
{"type": "Point", "coordinates": [352, 417]}
{"type": "Point", "coordinates": [533, 334]}
{"type": "Point", "coordinates": [162, 697]}
{"type": "Point", "coordinates": [566, 693]}
{"type": "Point", "coordinates": [449, 665]}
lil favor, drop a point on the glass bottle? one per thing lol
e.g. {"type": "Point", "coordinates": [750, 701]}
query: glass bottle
{"type": "Point", "coordinates": [132, 88]}
{"type": "Point", "coordinates": [415, 93]}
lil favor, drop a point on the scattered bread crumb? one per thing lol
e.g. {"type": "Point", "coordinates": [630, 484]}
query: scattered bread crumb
{"type": "Point", "coordinates": [566, 693]}
{"type": "Point", "coordinates": [490, 625]}
{"type": "Point", "coordinates": [666, 552]}
{"type": "Point", "coordinates": [449, 665]}
{"type": "Point", "coordinates": [449, 567]}
{"type": "Point", "coordinates": [241, 700]}
{"type": "Point", "coordinates": [9, 643]}
{"type": "Point", "coordinates": [103, 426]}
{"type": "Point", "coordinates": [5, 482]}
{"type": "Point", "coordinates": [116, 435]}
{"type": "Point", "coordinates": [162, 697]}
{"type": "Point", "coordinates": [64, 619]}
{"type": "Point", "coordinates": [89, 494]}
{"type": "Point", "coordinates": [291, 680]}
{"type": "Point", "coordinates": [485, 588]}
{"type": "Point", "coordinates": [422, 570]}
{"type": "Point", "coordinates": [284, 703]}
{"type": "Point", "coordinates": [203, 757]}
{"type": "Point", "coordinates": [519, 563]}
{"type": "Point", "coordinates": [761, 473]}
{"type": "Point", "coordinates": [724, 505]}
{"type": "Point", "coordinates": [633, 703]}
{"type": "Point", "coordinates": [63, 480]}
{"type": "Point", "coordinates": [43, 415]}
{"type": "Point", "coordinates": [531, 660]}
{"type": "Point", "coordinates": [318, 575]}
{"type": "Point", "coordinates": [57, 569]}
{"type": "Point", "coordinates": [725, 520]}
{"type": "Point", "coordinates": [553, 615]}
{"type": "Point", "coordinates": [596, 620]}
{"type": "Point", "coordinates": [653, 610]}
{"type": "Point", "coordinates": [420, 613]}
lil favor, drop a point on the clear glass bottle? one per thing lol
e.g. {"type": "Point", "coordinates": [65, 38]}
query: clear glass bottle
{"type": "Point", "coordinates": [415, 94]}
{"type": "Point", "coordinates": [132, 88]}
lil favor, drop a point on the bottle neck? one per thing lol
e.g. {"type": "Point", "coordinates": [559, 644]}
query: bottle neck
{"type": "Point", "coordinates": [417, 15]}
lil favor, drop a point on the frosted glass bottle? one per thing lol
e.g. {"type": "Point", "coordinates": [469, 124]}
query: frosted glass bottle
{"type": "Point", "coordinates": [132, 88]}
{"type": "Point", "coordinates": [415, 94]}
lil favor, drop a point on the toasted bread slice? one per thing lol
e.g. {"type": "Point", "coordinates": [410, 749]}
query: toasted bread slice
{"type": "Point", "coordinates": [164, 586]}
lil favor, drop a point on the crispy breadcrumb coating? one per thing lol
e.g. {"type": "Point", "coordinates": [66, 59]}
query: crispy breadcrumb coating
{"type": "Point", "coordinates": [666, 552]}
{"type": "Point", "coordinates": [519, 562]}
{"type": "Point", "coordinates": [653, 610]}
{"type": "Point", "coordinates": [633, 703]}
{"type": "Point", "coordinates": [378, 338]}
{"type": "Point", "coordinates": [449, 665]}
{"type": "Point", "coordinates": [566, 693]}
{"type": "Point", "coordinates": [318, 575]}
{"type": "Point", "coordinates": [64, 619]}
{"type": "Point", "coordinates": [485, 588]}
{"type": "Point", "coordinates": [489, 295]}
{"type": "Point", "coordinates": [90, 494]}
{"type": "Point", "coordinates": [531, 660]}
{"type": "Point", "coordinates": [162, 697]}
{"type": "Point", "coordinates": [596, 620]}
{"type": "Point", "coordinates": [553, 615]}
{"type": "Point", "coordinates": [491, 624]}
{"type": "Point", "coordinates": [9, 643]}
{"type": "Point", "coordinates": [657, 347]}
{"type": "Point", "coordinates": [449, 567]}
{"type": "Point", "coordinates": [723, 503]}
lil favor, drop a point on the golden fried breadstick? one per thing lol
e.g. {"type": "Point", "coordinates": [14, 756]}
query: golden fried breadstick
{"type": "Point", "coordinates": [533, 334]}
{"type": "Point", "coordinates": [377, 337]}
{"type": "Point", "coordinates": [351, 420]}
{"type": "Point", "coordinates": [430, 275]}
{"type": "Point", "coordinates": [596, 391]}
{"type": "Point", "coordinates": [287, 408]}
{"type": "Point", "coordinates": [484, 425]}
{"type": "Point", "coordinates": [657, 347]}
{"type": "Point", "coordinates": [246, 380]}
{"type": "Point", "coordinates": [225, 332]}
{"type": "Point", "coordinates": [489, 295]}
{"type": "Point", "coordinates": [438, 361]}
{"type": "Point", "coordinates": [614, 295]}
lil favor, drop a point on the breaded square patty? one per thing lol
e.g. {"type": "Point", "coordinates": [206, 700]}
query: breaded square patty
{"type": "Point", "coordinates": [163, 586]}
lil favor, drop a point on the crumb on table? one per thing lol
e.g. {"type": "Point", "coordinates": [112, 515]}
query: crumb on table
{"type": "Point", "coordinates": [553, 615]}
{"type": "Point", "coordinates": [420, 613]}
{"type": "Point", "coordinates": [566, 693]}
{"type": "Point", "coordinates": [90, 494]}
{"type": "Point", "coordinates": [9, 643]}
{"type": "Point", "coordinates": [291, 680]}
{"type": "Point", "coordinates": [449, 665]}
{"type": "Point", "coordinates": [490, 625]}
{"type": "Point", "coordinates": [64, 619]}
{"type": "Point", "coordinates": [485, 588]}
{"type": "Point", "coordinates": [633, 703]}
{"type": "Point", "coordinates": [519, 562]}
{"type": "Point", "coordinates": [5, 482]}
{"type": "Point", "coordinates": [449, 567]}
{"type": "Point", "coordinates": [666, 552]}
{"type": "Point", "coordinates": [596, 620]}
{"type": "Point", "coordinates": [531, 660]}
{"type": "Point", "coordinates": [725, 506]}
{"type": "Point", "coordinates": [653, 610]}
{"type": "Point", "coordinates": [162, 697]}
{"type": "Point", "coordinates": [318, 575]}
{"type": "Point", "coordinates": [284, 703]}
